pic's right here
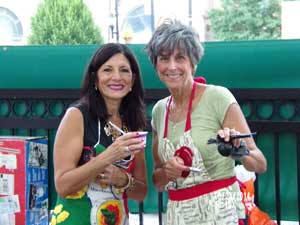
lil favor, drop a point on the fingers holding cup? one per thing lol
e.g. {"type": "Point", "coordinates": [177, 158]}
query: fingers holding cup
{"type": "Point", "coordinates": [127, 149]}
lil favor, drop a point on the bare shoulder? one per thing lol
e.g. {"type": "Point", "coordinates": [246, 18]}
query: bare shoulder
{"type": "Point", "coordinates": [73, 118]}
{"type": "Point", "coordinates": [73, 113]}
{"type": "Point", "coordinates": [70, 130]}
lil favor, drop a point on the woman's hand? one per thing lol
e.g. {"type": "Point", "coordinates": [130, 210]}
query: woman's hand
{"type": "Point", "coordinates": [255, 161]}
{"type": "Point", "coordinates": [124, 146]}
{"type": "Point", "coordinates": [112, 175]}
{"type": "Point", "coordinates": [173, 168]}
{"type": "Point", "coordinates": [226, 134]}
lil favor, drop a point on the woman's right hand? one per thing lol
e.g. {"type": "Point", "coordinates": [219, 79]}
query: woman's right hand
{"type": "Point", "coordinates": [125, 145]}
{"type": "Point", "coordinates": [173, 167]}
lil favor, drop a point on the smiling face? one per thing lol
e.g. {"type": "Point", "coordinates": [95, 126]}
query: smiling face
{"type": "Point", "coordinates": [174, 69]}
{"type": "Point", "coordinates": [115, 78]}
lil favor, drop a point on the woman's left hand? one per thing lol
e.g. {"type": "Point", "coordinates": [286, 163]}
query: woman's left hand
{"type": "Point", "coordinates": [235, 119]}
{"type": "Point", "coordinates": [112, 175]}
{"type": "Point", "coordinates": [226, 134]}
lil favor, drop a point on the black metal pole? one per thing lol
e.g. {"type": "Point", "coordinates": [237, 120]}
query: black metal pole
{"type": "Point", "coordinates": [298, 171]}
{"type": "Point", "coordinates": [277, 178]}
{"type": "Point", "coordinates": [141, 212]}
{"type": "Point", "coordinates": [160, 207]}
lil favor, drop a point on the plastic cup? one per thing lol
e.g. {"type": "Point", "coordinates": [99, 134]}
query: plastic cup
{"type": "Point", "coordinates": [143, 135]}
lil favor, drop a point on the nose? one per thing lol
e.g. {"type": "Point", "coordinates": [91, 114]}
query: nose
{"type": "Point", "coordinates": [172, 64]}
{"type": "Point", "coordinates": [116, 75]}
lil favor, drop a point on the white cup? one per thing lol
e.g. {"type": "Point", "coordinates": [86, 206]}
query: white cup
{"type": "Point", "coordinates": [143, 135]}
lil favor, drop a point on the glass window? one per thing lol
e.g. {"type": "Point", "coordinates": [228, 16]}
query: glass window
{"type": "Point", "coordinates": [10, 27]}
{"type": "Point", "coordinates": [137, 25]}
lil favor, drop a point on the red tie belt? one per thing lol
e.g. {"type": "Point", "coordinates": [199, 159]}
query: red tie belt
{"type": "Point", "coordinates": [200, 189]}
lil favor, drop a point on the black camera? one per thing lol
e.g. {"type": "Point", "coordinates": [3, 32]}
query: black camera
{"type": "Point", "coordinates": [226, 148]}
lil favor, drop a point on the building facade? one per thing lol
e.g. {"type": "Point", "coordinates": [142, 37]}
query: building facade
{"type": "Point", "coordinates": [122, 21]}
{"type": "Point", "coordinates": [131, 21]}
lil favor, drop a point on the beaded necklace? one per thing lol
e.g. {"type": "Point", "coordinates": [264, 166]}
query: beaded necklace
{"type": "Point", "coordinates": [111, 131]}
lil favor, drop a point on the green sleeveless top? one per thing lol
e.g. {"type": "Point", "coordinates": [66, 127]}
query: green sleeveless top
{"type": "Point", "coordinates": [94, 204]}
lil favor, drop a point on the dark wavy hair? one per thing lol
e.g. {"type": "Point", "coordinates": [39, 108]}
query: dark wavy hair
{"type": "Point", "coordinates": [132, 108]}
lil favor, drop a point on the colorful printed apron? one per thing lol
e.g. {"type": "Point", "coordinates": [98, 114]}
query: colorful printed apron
{"type": "Point", "coordinates": [95, 204]}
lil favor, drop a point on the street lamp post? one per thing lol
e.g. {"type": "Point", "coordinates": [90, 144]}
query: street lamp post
{"type": "Point", "coordinates": [152, 16]}
{"type": "Point", "coordinates": [190, 12]}
{"type": "Point", "coordinates": [117, 19]}
{"type": "Point", "coordinates": [114, 26]}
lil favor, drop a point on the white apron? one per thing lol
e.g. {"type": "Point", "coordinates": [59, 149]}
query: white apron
{"type": "Point", "coordinates": [219, 207]}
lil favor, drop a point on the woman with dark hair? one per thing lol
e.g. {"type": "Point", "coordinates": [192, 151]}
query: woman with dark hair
{"type": "Point", "coordinates": [99, 160]}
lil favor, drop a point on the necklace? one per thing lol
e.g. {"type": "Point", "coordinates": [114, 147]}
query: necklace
{"type": "Point", "coordinates": [177, 114]}
{"type": "Point", "coordinates": [111, 131]}
{"type": "Point", "coordinates": [114, 133]}
{"type": "Point", "coordinates": [174, 126]}
{"type": "Point", "coordinates": [188, 116]}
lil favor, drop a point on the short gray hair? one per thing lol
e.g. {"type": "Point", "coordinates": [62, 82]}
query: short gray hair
{"type": "Point", "coordinates": [172, 34]}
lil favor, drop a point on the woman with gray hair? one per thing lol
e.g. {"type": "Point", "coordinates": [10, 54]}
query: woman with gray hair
{"type": "Point", "coordinates": [200, 181]}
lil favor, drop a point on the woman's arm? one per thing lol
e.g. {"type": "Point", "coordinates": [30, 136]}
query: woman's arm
{"type": "Point", "coordinates": [68, 148]}
{"type": "Point", "coordinates": [140, 188]}
{"type": "Point", "coordinates": [164, 172]}
{"type": "Point", "coordinates": [235, 119]}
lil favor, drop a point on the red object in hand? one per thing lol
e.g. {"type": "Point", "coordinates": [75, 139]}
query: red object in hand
{"type": "Point", "coordinates": [187, 156]}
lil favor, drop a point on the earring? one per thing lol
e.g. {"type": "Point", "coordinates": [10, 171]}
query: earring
{"type": "Point", "coordinates": [96, 88]}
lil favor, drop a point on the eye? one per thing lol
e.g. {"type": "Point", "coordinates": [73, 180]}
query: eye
{"type": "Point", "coordinates": [107, 70]}
{"type": "Point", "coordinates": [163, 58]}
{"type": "Point", "coordinates": [125, 71]}
{"type": "Point", "coordinates": [180, 58]}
